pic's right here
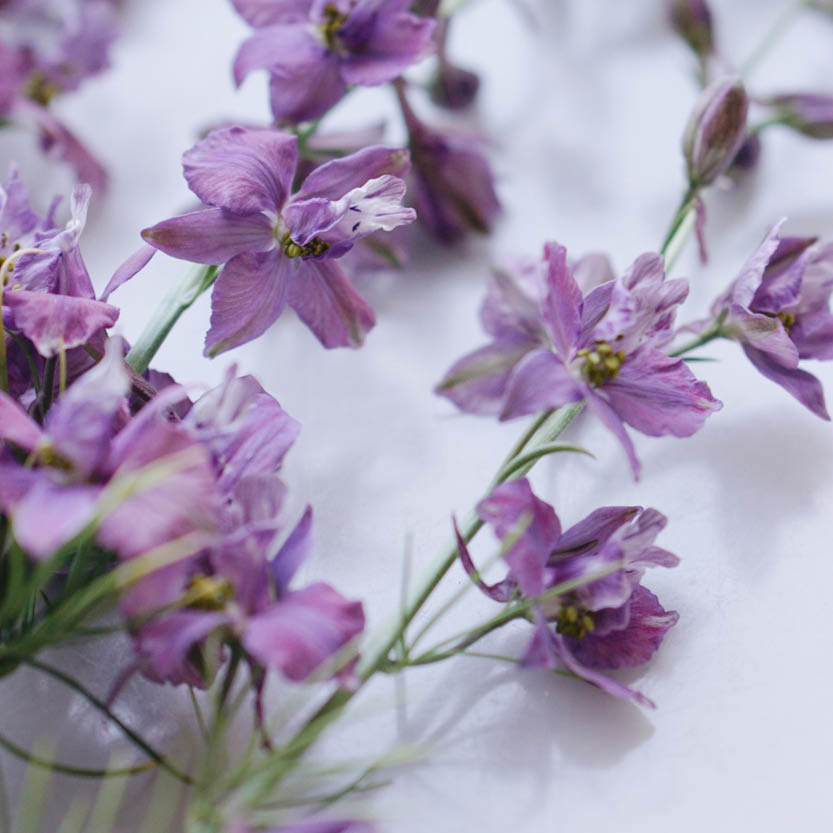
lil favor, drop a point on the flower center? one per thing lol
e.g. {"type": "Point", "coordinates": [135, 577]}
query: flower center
{"type": "Point", "coordinates": [787, 319]}
{"type": "Point", "coordinates": [333, 21]}
{"type": "Point", "coordinates": [208, 593]}
{"type": "Point", "coordinates": [314, 248]}
{"type": "Point", "coordinates": [40, 89]}
{"type": "Point", "coordinates": [571, 621]}
{"type": "Point", "coordinates": [601, 364]}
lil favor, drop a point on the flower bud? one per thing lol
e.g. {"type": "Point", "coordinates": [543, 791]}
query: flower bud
{"type": "Point", "coordinates": [454, 87]}
{"type": "Point", "coordinates": [746, 159]}
{"type": "Point", "coordinates": [692, 21]}
{"type": "Point", "coordinates": [811, 114]}
{"type": "Point", "coordinates": [716, 130]}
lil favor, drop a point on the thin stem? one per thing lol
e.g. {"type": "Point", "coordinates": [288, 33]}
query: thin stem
{"type": "Point", "coordinates": [787, 16]}
{"type": "Point", "coordinates": [681, 227]}
{"type": "Point", "coordinates": [103, 708]}
{"type": "Point", "coordinates": [169, 311]}
{"type": "Point", "coordinates": [534, 455]}
{"type": "Point", "coordinates": [68, 769]}
{"type": "Point", "coordinates": [712, 332]}
{"type": "Point", "coordinates": [48, 384]}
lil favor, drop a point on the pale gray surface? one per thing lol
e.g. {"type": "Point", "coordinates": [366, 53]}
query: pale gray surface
{"type": "Point", "coordinates": [586, 107]}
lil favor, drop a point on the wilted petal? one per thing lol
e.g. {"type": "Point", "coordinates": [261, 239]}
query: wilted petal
{"type": "Point", "coordinates": [243, 170]}
{"type": "Point", "coordinates": [659, 395]}
{"type": "Point", "coordinates": [762, 332]}
{"type": "Point", "coordinates": [611, 420]}
{"type": "Point", "coordinates": [328, 304]}
{"type": "Point", "coordinates": [58, 322]}
{"type": "Point", "coordinates": [591, 533]}
{"type": "Point", "coordinates": [335, 178]}
{"type": "Point", "coordinates": [812, 335]}
{"type": "Point", "coordinates": [749, 278]}
{"type": "Point", "coordinates": [782, 279]}
{"type": "Point", "coordinates": [539, 382]}
{"type": "Point", "coordinates": [477, 383]}
{"type": "Point", "coordinates": [303, 630]}
{"type": "Point", "coordinates": [212, 235]}
{"type": "Point", "coordinates": [805, 387]}
{"type": "Point", "coordinates": [248, 297]}
{"type": "Point", "coordinates": [634, 644]}
{"type": "Point", "coordinates": [500, 592]}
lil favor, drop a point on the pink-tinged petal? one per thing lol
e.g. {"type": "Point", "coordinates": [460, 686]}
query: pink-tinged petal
{"type": "Point", "coordinates": [591, 533]}
{"type": "Point", "coordinates": [477, 382]}
{"type": "Point", "coordinates": [259, 13]}
{"type": "Point", "coordinates": [762, 332]}
{"type": "Point", "coordinates": [749, 279]}
{"type": "Point", "coordinates": [397, 40]}
{"type": "Point", "coordinates": [129, 269]}
{"type": "Point", "coordinates": [562, 306]}
{"type": "Point", "coordinates": [248, 297]}
{"type": "Point", "coordinates": [58, 322]}
{"type": "Point", "coordinates": [16, 425]}
{"type": "Point", "coordinates": [805, 387]}
{"type": "Point", "coordinates": [539, 381]}
{"type": "Point", "coordinates": [329, 305]}
{"type": "Point", "coordinates": [211, 235]}
{"type": "Point", "coordinates": [547, 650]}
{"type": "Point", "coordinates": [335, 178]}
{"type": "Point", "coordinates": [592, 270]}
{"type": "Point", "coordinates": [243, 170]}
{"type": "Point", "coordinates": [634, 644]}
{"type": "Point", "coordinates": [50, 515]}
{"type": "Point", "coordinates": [82, 423]}
{"type": "Point", "coordinates": [303, 629]}
{"type": "Point", "coordinates": [812, 335]}
{"type": "Point", "coordinates": [500, 592]}
{"type": "Point", "coordinates": [164, 646]}
{"type": "Point", "coordinates": [659, 395]}
{"type": "Point", "coordinates": [293, 553]}
{"type": "Point", "coordinates": [611, 420]}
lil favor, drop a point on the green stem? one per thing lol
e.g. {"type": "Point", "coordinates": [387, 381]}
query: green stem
{"type": "Point", "coordinates": [68, 769]}
{"type": "Point", "coordinates": [712, 332]}
{"type": "Point", "coordinates": [104, 709]}
{"type": "Point", "coordinates": [179, 299]}
{"type": "Point", "coordinates": [681, 227]}
{"type": "Point", "coordinates": [534, 455]}
{"type": "Point", "coordinates": [788, 15]}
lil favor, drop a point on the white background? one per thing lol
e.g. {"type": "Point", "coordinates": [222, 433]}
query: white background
{"type": "Point", "coordinates": [585, 102]}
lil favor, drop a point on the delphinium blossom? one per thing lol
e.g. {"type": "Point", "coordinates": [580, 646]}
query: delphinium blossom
{"type": "Point", "coordinates": [281, 248]}
{"type": "Point", "coordinates": [315, 49]}
{"type": "Point", "coordinates": [778, 308]}
{"type": "Point", "coordinates": [48, 301]}
{"type": "Point", "coordinates": [554, 342]}
{"type": "Point", "coordinates": [609, 620]}
{"type": "Point", "coordinates": [49, 48]}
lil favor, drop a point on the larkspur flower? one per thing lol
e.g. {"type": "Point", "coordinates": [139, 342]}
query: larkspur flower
{"type": "Point", "coordinates": [451, 186]}
{"type": "Point", "coordinates": [315, 49]}
{"type": "Point", "coordinates": [278, 248]}
{"type": "Point", "coordinates": [553, 344]}
{"type": "Point", "coordinates": [778, 308]}
{"type": "Point", "coordinates": [609, 620]}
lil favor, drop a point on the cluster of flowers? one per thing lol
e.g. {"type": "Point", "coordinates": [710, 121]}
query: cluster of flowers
{"type": "Point", "coordinates": [98, 456]}
{"type": "Point", "coordinates": [48, 48]}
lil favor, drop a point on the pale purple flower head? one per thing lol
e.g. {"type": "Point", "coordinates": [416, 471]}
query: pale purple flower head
{"type": "Point", "coordinates": [607, 619]}
{"type": "Point", "coordinates": [778, 308]}
{"type": "Point", "coordinates": [553, 344]}
{"type": "Point", "coordinates": [280, 248]}
{"type": "Point", "coordinates": [315, 49]}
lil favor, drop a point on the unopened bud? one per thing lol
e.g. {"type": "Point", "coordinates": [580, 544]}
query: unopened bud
{"type": "Point", "coordinates": [715, 131]}
{"type": "Point", "coordinates": [454, 87]}
{"type": "Point", "coordinates": [692, 21]}
{"type": "Point", "coordinates": [811, 114]}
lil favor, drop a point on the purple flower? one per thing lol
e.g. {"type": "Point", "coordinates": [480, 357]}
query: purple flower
{"type": "Point", "coordinates": [778, 308]}
{"type": "Point", "coordinates": [552, 345]}
{"type": "Point", "coordinates": [315, 49]}
{"type": "Point", "coordinates": [278, 248]}
{"type": "Point", "coordinates": [608, 619]}
{"type": "Point", "coordinates": [47, 294]}
{"type": "Point", "coordinates": [452, 187]}
{"type": "Point", "coordinates": [811, 114]}
{"type": "Point", "coordinates": [715, 131]}
{"type": "Point", "coordinates": [312, 826]}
